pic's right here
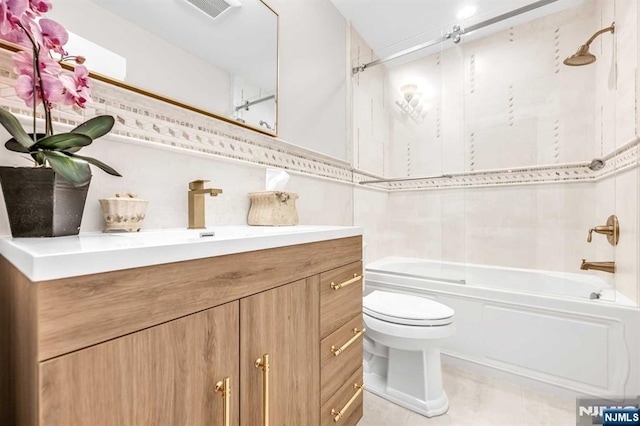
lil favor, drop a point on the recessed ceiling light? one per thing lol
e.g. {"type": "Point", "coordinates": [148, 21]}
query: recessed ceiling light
{"type": "Point", "coordinates": [467, 12]}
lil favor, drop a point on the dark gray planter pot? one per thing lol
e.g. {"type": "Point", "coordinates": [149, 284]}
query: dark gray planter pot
{"type": "Point", "coordinates": [41, 204]}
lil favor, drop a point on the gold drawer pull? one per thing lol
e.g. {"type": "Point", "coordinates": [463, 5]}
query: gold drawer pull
{"type": "Point", "coordinates": [263, 363]}
{"type": "Point", "coordinates": [337, 415]}
{"type": "Point", "coordinates": [356, 333]}
{"type": "Point", "coordinates": [355, 278]}
{"type": "Point", "coordinates": [224, 386]}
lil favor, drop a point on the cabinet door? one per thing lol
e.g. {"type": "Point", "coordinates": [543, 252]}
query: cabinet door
{"type": "Point", "coordinates": [164, 375]}
{"type": "Point", "coordinates": [283, 323]}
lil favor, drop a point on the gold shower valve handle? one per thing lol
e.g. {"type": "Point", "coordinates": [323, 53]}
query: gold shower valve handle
{"type": "Point", "coordinates": [611, 230]}
{"type": "Point", "coordinates": [605, 230]}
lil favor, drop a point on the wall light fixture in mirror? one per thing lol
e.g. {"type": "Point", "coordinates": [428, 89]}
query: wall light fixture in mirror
{"type": "Point", "coordinates": [216, 57]}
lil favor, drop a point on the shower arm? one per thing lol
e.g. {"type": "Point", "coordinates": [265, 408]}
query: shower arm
{"type": "Point", "coordinates": [611, 28]}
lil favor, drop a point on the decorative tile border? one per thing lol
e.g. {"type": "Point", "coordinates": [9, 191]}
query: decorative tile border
{"type": "Point", "coordinates": [141, 118]}
{"type": "Point", "coordinates": [155, 122]}
{"type": "Point", "coordinates": [516, 176]}
{"type": "Point", "coordinates": [624, 158]}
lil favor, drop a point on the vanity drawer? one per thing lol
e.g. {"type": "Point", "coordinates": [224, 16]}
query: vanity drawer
{"type": "Point", "coordinates": [348, 400]}
{"type": "Point", "coordinates": [335, 370]}
{"type": "Point", "coordinates": [340, 297]}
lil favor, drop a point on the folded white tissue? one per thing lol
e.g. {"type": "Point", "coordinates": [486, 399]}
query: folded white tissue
{"type": "Point", "coordinates": [273, 207]}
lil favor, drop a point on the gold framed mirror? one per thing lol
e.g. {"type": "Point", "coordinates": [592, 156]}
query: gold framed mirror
{"type": "Point", "coordinates": [217, 58]}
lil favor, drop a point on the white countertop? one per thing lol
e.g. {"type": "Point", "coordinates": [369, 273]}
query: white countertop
{"type": "Point", "coordinates": [41, 259]}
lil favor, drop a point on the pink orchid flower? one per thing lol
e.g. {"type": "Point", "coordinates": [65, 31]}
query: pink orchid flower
{"type": "Point", "coordinates": [81, 74]}
{"type": "Point", "coordinates": [10, 13]}
{"type": "Point", "coordinates": [48, 65]}
{"type": "Point", "coordinates": [40, 6]}
{"type": "Point", "coordinates": [79, 97]}
{"type": "Point", "coordinates": [52, 36]}
{"type": "Point", "coordinates": [76, 87]}
{"type": "Point", "coordinates": [47, 84]}
{"type": "Point", "coordinates": [40, 79]}
{"type": "Point", "coordinates": [30, 92]}
{"type": "Point", "coordinates": [23, 62]}
{"type": "Point", "coordinates": [16, 37]}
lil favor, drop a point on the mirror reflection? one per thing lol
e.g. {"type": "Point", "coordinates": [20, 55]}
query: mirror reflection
{"type": "Point", "coordinates": [218, 56]}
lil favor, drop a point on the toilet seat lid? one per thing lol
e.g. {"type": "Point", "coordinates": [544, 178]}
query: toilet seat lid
{"type": "Point", "coordinates": [406, 309]}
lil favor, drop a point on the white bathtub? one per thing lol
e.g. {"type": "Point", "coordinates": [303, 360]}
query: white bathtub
{"type": "Point", "coordinates": [533, 326]}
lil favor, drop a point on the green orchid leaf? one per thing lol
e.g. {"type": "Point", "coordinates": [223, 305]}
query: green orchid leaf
{"type": "Point", "coordinates": [72, 150]}
{"type": "Point", "coordinates": [13, 126]}
{"type": "Point", "coordinates": [13, 145]}
{"type": "Point", "coordinates": [63, 141]}
{"type": "Point", "coordinates": [96, 127]}
{"type": "Point", "coordinates": [71, 169]}
{"type": "Point", "coordinates": [97, 163]}
{"type": "Point", "coordinates": [38, 157]}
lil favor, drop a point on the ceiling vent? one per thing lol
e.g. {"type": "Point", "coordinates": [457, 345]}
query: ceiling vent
{"type": "Point", "coordinates": [215, 8]}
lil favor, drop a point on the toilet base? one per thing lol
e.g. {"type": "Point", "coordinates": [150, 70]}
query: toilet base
{"type": "Point", "coordinates": [410, 378]}
{"type": "Point", "coordinates": [402, 362]}
{"type": "Point", "coordinates": [377, 385]}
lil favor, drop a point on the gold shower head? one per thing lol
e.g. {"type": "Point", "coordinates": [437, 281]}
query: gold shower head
{"type": "Point", "coordinates": [583, 56]}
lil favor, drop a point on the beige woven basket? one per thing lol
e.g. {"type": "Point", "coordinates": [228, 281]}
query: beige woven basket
{"type": "Point", "coordinates": [273, 208]}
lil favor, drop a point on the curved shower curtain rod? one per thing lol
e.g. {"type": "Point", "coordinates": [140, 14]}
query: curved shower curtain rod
{"type": "Point", "coordinates": [456, 33]}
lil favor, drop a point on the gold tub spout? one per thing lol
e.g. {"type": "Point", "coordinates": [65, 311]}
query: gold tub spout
{"type": "Point", "coordinates": [599, 266]}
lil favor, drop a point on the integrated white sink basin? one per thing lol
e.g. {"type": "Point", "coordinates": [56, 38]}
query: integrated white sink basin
{"type": "Point", "coordinates": [178, 236]}
{"type": "Point", "coordinates": [41, 259]}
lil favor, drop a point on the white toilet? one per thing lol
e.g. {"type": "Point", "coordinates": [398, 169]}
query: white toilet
{"type": "Point", "coordinates": [402, 350]}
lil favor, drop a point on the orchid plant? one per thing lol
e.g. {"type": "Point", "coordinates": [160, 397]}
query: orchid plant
{"type": "Point", "coordinates": [41, 80]}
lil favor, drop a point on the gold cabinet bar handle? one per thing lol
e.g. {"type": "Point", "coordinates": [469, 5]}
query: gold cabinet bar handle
{"type": "Point", "coordinates": [356, 333]}
{"type": "Point", "coordinates": [337, 415]}
{"type": "Point", "coordinates": [355, 278]}
{"type": "Point", "coordinates": [224, 386]}
{"type": "Point", "coordinates": [263, 363]}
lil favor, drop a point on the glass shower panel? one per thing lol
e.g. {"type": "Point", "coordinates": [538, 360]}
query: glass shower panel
{"type": "Point", "coordinates": [531, 125]}
{"type": "Point", "coordinates": [452, 187]}
{"type": "Point", "coordinates": [425, 92]}
{"type": "Point", "coordinates": [502, 136]}
{"type": "Point", "coordinates": [370, 150]}
{"type": "Point", "coordinates": [618, 144]}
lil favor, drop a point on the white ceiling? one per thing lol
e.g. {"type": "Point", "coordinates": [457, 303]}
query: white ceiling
{"type": "Point", "coordinates": [243, 41]}
{"type": "Point", "coordinates": [389, 26]}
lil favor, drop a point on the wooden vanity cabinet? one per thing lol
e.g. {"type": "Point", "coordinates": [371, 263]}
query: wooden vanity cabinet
{"type": "Point", "coordinates": [147, 346]}
{"type": "Point", "coordinates": [342, 332]}
{"type": "Point", "coordinates": [164, 375]}
{"type": "Point", "coordinates": [282, 323]}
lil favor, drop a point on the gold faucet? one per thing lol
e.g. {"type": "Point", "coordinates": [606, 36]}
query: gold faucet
{"type": "Point", "coordinates": [599, 266]}
{"type": "Point", "coordinates": [197, 191]}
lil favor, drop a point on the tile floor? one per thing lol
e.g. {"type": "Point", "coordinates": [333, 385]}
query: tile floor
{"type": "Point", "coordinates": [477, 400]}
